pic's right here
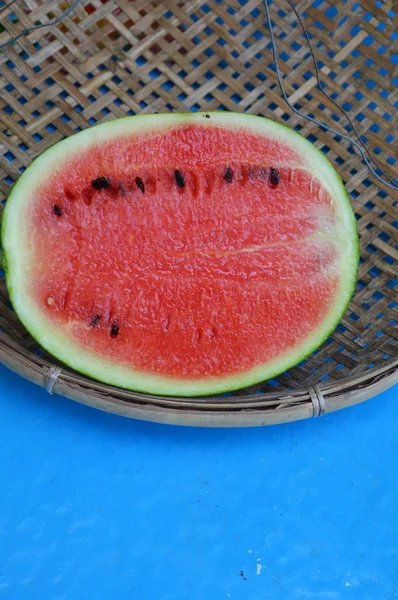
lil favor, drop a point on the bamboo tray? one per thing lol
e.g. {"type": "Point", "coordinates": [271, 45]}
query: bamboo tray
{"type": "Point", "coordinates": [114, 58]}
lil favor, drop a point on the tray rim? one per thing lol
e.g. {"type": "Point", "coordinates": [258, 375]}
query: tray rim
{"type": "Point", "coordinates": [239, 411]}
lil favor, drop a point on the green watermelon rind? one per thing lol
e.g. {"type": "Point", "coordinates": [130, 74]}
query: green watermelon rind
{"type": "Point", "coordinates": [67, 350]}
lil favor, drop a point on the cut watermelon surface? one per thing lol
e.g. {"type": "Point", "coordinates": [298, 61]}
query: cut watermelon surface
{"type": "Point", "coordinates": [180, 254]}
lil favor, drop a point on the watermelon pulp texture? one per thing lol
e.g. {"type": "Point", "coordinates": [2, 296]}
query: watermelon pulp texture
{"type": "Point", "coordinates": [181, 254]}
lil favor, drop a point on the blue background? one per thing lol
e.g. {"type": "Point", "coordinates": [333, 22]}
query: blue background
{"type": "Point", "coordinates": [95, 506]}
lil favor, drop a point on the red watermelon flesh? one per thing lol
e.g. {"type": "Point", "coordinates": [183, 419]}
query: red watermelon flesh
{"type": "Point", "coordinates": [192, 253]}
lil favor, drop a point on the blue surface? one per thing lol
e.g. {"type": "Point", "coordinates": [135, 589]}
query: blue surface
{"type": "Point", "coordinates": [94, 506]}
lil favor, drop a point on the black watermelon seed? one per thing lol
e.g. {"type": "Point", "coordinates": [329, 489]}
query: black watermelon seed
{"type": "Point", "coordinates": [228, 175]}
{"type": "Point", "coordinates": [140, 184]}
{"type": "Point", "coordinates": [101, 183]}
{"type": "Point", "coordinates": [95, 320]}
{"type": "Point", "coordinates": [180, 179]}
{"type": "Point", "coordinates": [114, 330]}
{"type": "Point", "coordinates": [274, 178]}
{"type": "Point", "coordinates": [207, 116]}
{"type": "Point", "coordinates": [57, 210]}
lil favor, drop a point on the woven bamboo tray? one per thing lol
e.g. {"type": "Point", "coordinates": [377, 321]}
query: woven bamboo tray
{"type": "Point", "coordinates": [114, 58]}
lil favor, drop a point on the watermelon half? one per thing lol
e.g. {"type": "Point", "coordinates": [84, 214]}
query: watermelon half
{"type": "Point", "coordinates": [180, 254]}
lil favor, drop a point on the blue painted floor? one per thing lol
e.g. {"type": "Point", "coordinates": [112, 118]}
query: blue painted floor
{"type": "Point", "coordinates": [98, 507]}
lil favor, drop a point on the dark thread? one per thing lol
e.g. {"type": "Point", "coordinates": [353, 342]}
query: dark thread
{"type": "Point", "coordinates": [360, 146]}
{"type": "Point", "coordinates": [4, 8]}
{"type": "Point", "coordinates": [41, 25]}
